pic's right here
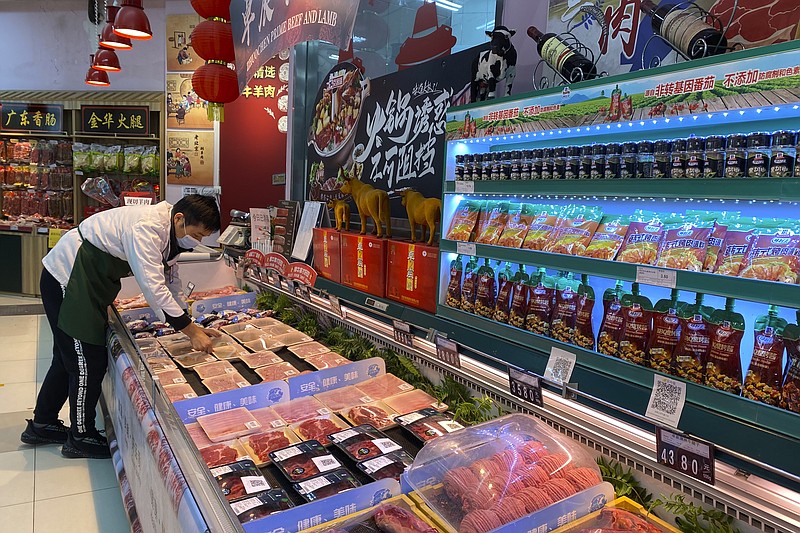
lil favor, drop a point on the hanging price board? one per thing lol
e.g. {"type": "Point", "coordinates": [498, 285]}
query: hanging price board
{"type": "Point", "coordinates": [402, 332]}
{"type": "Point", "coordinates": [687, 455]}
{"type": "Point", "coordinates": [447, 351]}
{"type": "Point", "coordinates": [525, 385]}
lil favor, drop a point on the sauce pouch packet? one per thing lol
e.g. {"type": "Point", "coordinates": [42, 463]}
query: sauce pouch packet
{"type": "Point", "coordinates": [734, 246]}
{"type": "Point", "coordinates": [611, 326]}
{"type": "Point", "coordinates": [562, 325]}
{"type": "Point", "coordinates": [584, 332]}
{"type": "Point", "coordinates": [666, 333]}
{"type": "Point", "coordinates": [608, 238]}
{"type": "Point", "coordinates": [790, 393]}
{"type": "Point", "coordinates": [691, 354]}
{"type": "Point", "coordinates": [470, 286]}
{"type": "Point", "coordinates": [486, 293]}
{"type": "Point", "coordinates": [541, 299]}
{"type": "Point", "coordinates": [636, 326]}
{"type": "Point", "coordinates": [505, 292]}
{"type": "Point", "coordinates": [453, 298]}
{"type": "Point", "coordinates": [724, 363]}
{"type": "Point", "coordinates": [576, 230]}
{"type": "Point", "coordinates": [542, 227]}
{"type": "Point", "coordinates": [519, 299]}
{"type": "Point", "coordinates": [520, 217]}
{"type": "Point", "coordinates": [764, 376]}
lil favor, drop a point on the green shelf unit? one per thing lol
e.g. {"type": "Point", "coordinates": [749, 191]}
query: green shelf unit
{"type": "Point", "coordinates": [767, 292]}
{"type": "Point", "coordinates": [765, 189]}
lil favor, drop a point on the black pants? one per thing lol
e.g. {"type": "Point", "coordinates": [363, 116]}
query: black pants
{"type": "Point", "coordinates": [76, 372]}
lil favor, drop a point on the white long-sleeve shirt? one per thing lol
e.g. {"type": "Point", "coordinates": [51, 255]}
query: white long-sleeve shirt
{"type": "Point", "coordinates": [139, 235]}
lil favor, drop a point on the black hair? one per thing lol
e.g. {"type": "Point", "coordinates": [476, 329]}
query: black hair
{"type": "Point", "coordinates": [199, 210]}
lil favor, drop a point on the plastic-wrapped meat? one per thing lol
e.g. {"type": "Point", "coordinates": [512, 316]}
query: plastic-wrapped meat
{"type": "Point", "coordinates": [217, 368]}
{"type": "Point", "coordinates": [198, 435]}
{"type": "Point", "coordinates": [300, 409]}
{"type": "Point", "coordinates": [327, 360]}
{"type": "Point", "coordinates": [240, 479]}
{"type": "Point", "coordinates": [229, 351]}
{"type": "Point", "coordinates": [292, 338]}
{"type": "Point", "coordinates": [225, 382]}
{"type": "Point", "coordinates": [342, 398]}
{"type": "Point", "coordinates": [267, 417]}
{"type": "Point", "coordinates": [230, 424]}
{"type": "Point", "coordinates": [259, 359]}
{"type": "Point", "coordinates": [158, 364]}
{"type": "Point", "coordinates": [391, 465]}
{"type": "Point", "coordinates": [227, 290]}
{"type": "Point", "coordinates": [171, 377]}
{"type": "Point", "coordinates": [264, 344]}
{"type": "Point", "coordinates": [260, 506]}
{"type": "Point", "coordinates": [376, 414]}
{"type": "Point", "coordinates": [319, 428]}
{"type": "Point", "coordinates": [175, 393]}
{"type": "Point", "coordinates": [138, 325]}
{"type": "Point", "coordinates": [414, 401]}
{"type": "Point", "coordinates": [393, 519]}
{"type": "Point", "coordinates": [274, 329]}
{"type": "Point", "coordinates": [364, 442]}
{"type": "Point", "coordinates": [194, 358]}
{"type": "Point", "coordinates": [304, 460]}
{"type": "Point", "coordinates": [326, 485]}
{"type": "Point", "coordinates": [308, 349]}
{"type": "Point", "coordinates": [261, 444]}
{"type": "Point", "coordinates": [239, 326]}
{"type": "Point", "coordinates": [384, 386]}
{"type": "Point", "coordinates": [277, 372]}
{"type": "Point", "coordinates": [223, 453]}
{"type": "Point", "coordinates": [427, 424]}
{"type": "Point", "coordinates": [247, 335]}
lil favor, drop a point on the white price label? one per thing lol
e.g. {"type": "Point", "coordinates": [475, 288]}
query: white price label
{"type": "Point", "coordinates": [366, 399]}
{"type": "Point", "coordinates": [386, 445]}
{"type": "Point", "coordinates": [307, 487]}
{"type": "Point", "coordinates": [221, 470]}
{"type": "Point", "coordinates": [254, 484]}
{"type": "Point", "coordinates": [450, 425]}
{"type": "Point", "coordinates": [666, 400]}
{"type": "Point", "coordinates": [137, 200]}
{"type": "Point", "coordinates": [252, 424]}
{"type": "Point", "coordinates": [656, 276]}
{"type": "Point", "coordinates": [344, 435]}
{"type": "Point", "coordinates": [406, 386]}
{"type": "Point", "coordinates": [373, 465]}
{"type": "Point", "coordinates": [230, 370]}
{"type": "Point", "coordinates": [178, 380]}
{"type": "Point", "coordinates": [372, 302]}
{"type": "Point", "coordinates": [559, 365]}
{"type": "Point", "coordinates": [466, 248]}
{"type": "Point", "coordinates": [326, 462]}
{"type": "Point", "coordinates": [242, 506]}
{"type": "Point", "coordinates": [324, 411]}
{"type": "Point", "coordinates": [286, 453]}
{"type": "Point", "coordinates": [465, 186]}
{"type": "Point", "coordinates": [410, 418]}
{"type": "Point", "coordinates": [278, 423]}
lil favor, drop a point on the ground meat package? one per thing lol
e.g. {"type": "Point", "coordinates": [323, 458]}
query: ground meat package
{"type": "Point", "coordinates": [636, 326]}
{"type": "Point", "coordinates": [377, 414]}
{"type": "Point", "coordinates": [259, 445]}
{"type": "Point", "coordinates": [427, 424]}
{"type": "Point", "coordinates": [276, 372]}
{"type": "Point", "coordinates": [608, 237]}
{"type": "Point", "coordinates": [584, 331]}
{"type": "Point", "coordinates": [773, 255]}
{"type": "Point", "coordinates": [319, 427]}
{"type": "Point", "coordinates": [685, 244]}
{"type": "Point", "coordinates": [240, 479]}
{"type": "Point", "coordinates": [464, 220]}
{"type": "Point", "coordinates": [666, 333]}
{"type": "Point", "coordinates": [519, 298]}
{"type": "Point", "coordinates": [229, 424]}
{"type": "Point", "coordinates": [734, 246]}
{"type": "Point", "coordinates": [308, 349]}
{"type": "Point", "coordinates": [268, 418]}
{"type": "Point", "coordinates": [265, 504]}
{"type": "Point", "coordinates": [492, 222]}
{"type": "Point", "coordinates": [326, 485]}
{"type": "Point", "coordinates": [542, 227]}
{"type": "Point", "coordinates": [541, 300]}
{"type": "Point", "coordinates": [364, 442]}
{"type": "Point", "coordinates": [216, 368]}
{"type": "Point", "coordinates": [469, 288]}
{"type": "Point", "coordinates": [691, 353]}
{"type": "Point", "coordinates": [453, 298]}
{"type": "Point", "coordinates": [486, 293]}
{"type": "Point", "coordinates": [386, 466]}
{"type": "Point", "coordinates": [224, 382]}
{"type": "Point", "coordinates": [562, 324]}
{"type": "Point", "coordinates": [259, 359]}
{"type": "Point", "coordinates": [765, 375]}
{"type": "Point", "coordinates": [724, 363]}
{"type": "Point", "coordinates": [791, 384]}
{"type": "Point", "coordinates": [576, 230]}
{"type": "Point", "coordinates": [176, 393]}
{"type": "Point", "coordinates": [304, 460]}
{"type": "Point", "coordinates": [505, 292]}
{"type": "Point", "coordinates": [643, 239]}
{"type": "Point", "coordinates": [611, 326]}
{"type": "Point", "coordinates": [327, 360]}
{"type": "Point", "coordinates": [520, 217]}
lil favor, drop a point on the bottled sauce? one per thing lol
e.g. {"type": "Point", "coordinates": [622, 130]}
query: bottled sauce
{"type": "Point", "coordinates": [695, 157]}
{"type": "Point", "coordinates": [598, 169]}
{"type": "Point", "coordinates": [677, 165]}
{"type": "Point", "coordinates": [477, 168]}
{"type": "Point", "coordinates": [516, 163]}
{"type": "Point", "coordinates": [559, 163]}
{"type": "Point", "coordinates": [469, 167]}
{"type": "Point", "coordinates": [661, 159]}
{"type": "Point", "coordinates": [758, 153]}
{"type": "Point", "coordinates": [685, 30]}
{"type": "Point", "coordinates": [627, 169]}
{"type": "Point", "coordinates": [736, 157]}
{"type": "Point", "coordinates": [494, 166]}
{"type": "Point", "coordinates": [644, 159]}
{"type": "Point", "coordinates": [715, 157]}
{"type": "Point", "coordinates": [572, 162]}
{"type": "Point", "coordinates": [505, 165]}
{"type": "Point", "coordinates": [547, 164]}
{"type": "Point", "coordinates": [585, 166]}
{"type": "Point", "coordinates": [782, 162]}
{"type": "Point", "coordinates": [525, 166]}
{"type": "Point", "coordinates": [536, 164]}
{"type": "Point", "coordinates": [613, 160]}
{"type": "Point", "coordinates": [561, 57]}
{"type": "Point", "coordinates": [459, 167]}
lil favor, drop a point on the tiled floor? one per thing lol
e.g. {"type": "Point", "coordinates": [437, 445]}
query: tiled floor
{"type": "Point", "coordinates": [40, 491]}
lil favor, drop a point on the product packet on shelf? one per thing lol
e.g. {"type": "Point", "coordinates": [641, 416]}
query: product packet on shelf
{"type": "Point", "coordinates": [377, 414]}
{"type": "Point", "coordinates": [223, 382]}
{"type": "Point", "coordinates": [636, 326]}
{"type": "Point", "coordinates": [666, 333]}
{"type": "Point", "coordinates": [520, 217]}
{"type": "Point", "coordinates": [327, 360]}
{"type": "Point", "coordinates": [486, 293]}
{"type": "Point", "coordinates": [80, 156]}
{"type": "Point", "coordinates": [223, 453]}
{"type": "Point", "coordinates": [608, 238]}
{"type": "Point", "coordinates": [576, 231]}
{"type": "Point", "coordinates": [198, 435]}
{"type": "Point", "coordinates": [112, 158]}
{"type": "Point", "coordinates": [492, 222]}
{"type": "Point", "coordinates": [170, 377]}
{"type": "Point", "coordinates": [790, 394]}
{"type": "Point", "coordinates": [240, 479]}
{"type": "Point", "coordinates": [96, 161]}
{"type": "Point", "coordinates": [277, 371]}
{"type": "Point", "coordinates": [541, 300]}
{"type": "Point", "coordinates": [308, 349]}
{"type": "Point", "coordinates": [268, 418]}
{"type": "Point", "coordinates": [464, 220]}
{"type": "Point", "coordinates": [319, 427]}
{"type": "Point", "coordinates": [304, 460]}
{"type": "Point", "coordinates": [469, 289]}
{"type": "Point", "coordinates": [562, 324]}
{"type": "Point", "coordinates": [519, 298]}
{"type": "Point", "coordinates": [381, 387]}
{"type": "Point", "coordinates": [259, 445]}
{"type": "Point", "coordinates": [182, 391]}
{"type": "Point", "coordinates": [391, 465]}
{"type": "Point", "coordinates": [643, 239]}
{"type": "Point", "coordinates": [724, 363]}
{"type": "Point", "coordinates": [263, 505]}
{"type": "Point", "coordinates": [326, 485]}
{"type": "Point", "coordinates": [542, 227]}
{"type": "Point", "coordinates": [364, 442]}
{"type": "Point", "coordinates": [717, 238]}
{"type": "Point", "coordinates": [453, 296]}
{"type": "Point", "coordinates": [217, 368]}
{"type": "Point", "coordinates": [342, 398]}
{"type": "Point", "coordinates": [300, 409]}
{"type": "Point", "coordinates": [427, 424]}
{"type": "Point", "coordinates": [685, 243]}
{"type": "Point", "coordinates": [610, 331]}
{"type": "Point", "coordinates": [774, 255]}
{"type": "Point", "coordinates": [414, 400]}
{"type": "Point", "coordinates": [765, 375]}
{"type": "Point", "coordinates": [505, 292]}
{"type": "Point", "coordinates": [584, 331]}
{"type": "Point", "coordinates": [193, 359]}
{"type": "Point", "coordinates": [133, 159]}
{"type": "Point", "coordinates": [259, 359]}
{"type": "Point", "coordinates": [734, 246]}
{"type": "Point", "coordinates": [691, 354]}
{"type": "Point", "coordinates": [230, 424]}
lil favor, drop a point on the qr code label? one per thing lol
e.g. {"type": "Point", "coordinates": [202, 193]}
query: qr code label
{"type": "Point", "coordinates": [254, 484]}
{"type": "Point", "coordinates": [666, 400]}
{"type": "Point", "coordinates": [560, 365]}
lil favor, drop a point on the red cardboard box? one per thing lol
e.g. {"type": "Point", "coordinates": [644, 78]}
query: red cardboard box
{"type": "Point", "coordinates": [364, 263]}
{"type": "Point", "coordinates": [327, 251]}
{"type": "Point", "coordinates": [411, 274]}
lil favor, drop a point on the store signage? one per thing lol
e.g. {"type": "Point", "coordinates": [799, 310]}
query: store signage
{"type": "Point", "coordinates": [666, 400]}
{"type": "Point", "coordinates": [257, 257]}
{"type": "Point", "coordinates": [559, 365]}
{"type": "Point", "coordinates": [336, 305]}
{"type": "Point", "coordinates": [235, 302]}
{"type": "Point", "coordinates": [687, 455]}
{"type": "Point", "coordinates": [525, 385]}
{"type": "Point", "coordinates": [402, 332]}
{"type": "Point", "coordinates": [276, 262]}
{"type": "Point", "coordinates": [285, 226]}
{"type": "Point", "coordinates": [466, 248]}
{"type": "Point", "coordinates": [465, 187]}
{"type": "Point", "coordinates": [334, 378]}
{"type": "Point", "coordinates": [120, 120]}
{"type": "Point", "coordinates": [31, 117]}
{"type": "Point", "coordinates": [53, 236]}
{"type": "Point", "coordinates": [447, 351]}
{"type": "Point", "coordinates": [656, 276]}
{"type": "Point", "coordinates": [263, 29]}
{"type": "Point", "coordinates": [302, 273]}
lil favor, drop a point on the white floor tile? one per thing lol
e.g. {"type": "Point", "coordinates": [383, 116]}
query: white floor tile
{"type": "Point", "coordinates": [17, 518]}
{"type": "Point", "coordinates": [57, 476]}
{"type": "Point", "coordinates": [17, 397]}
{"type": "Point", "coordinates": [17, 371]}
{"type": "Point", "coordinates": [11, 426]}
{"type": "Point", "coordinates": [19, 328]}
{"type": "Point", "coordinates": [90, 512]}
{"type": "Point", "coordinates": [19, 351]}
{"type": "Point", "coordinates": [16, 477]}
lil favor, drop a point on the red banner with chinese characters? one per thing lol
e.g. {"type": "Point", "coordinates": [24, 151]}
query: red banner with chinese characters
{"type": "Point", "coordinates": [257, 257]}
{"type": "Point", "coordinates": [276, 262]}
{"type": "Point", "coordinates": [303, 273]}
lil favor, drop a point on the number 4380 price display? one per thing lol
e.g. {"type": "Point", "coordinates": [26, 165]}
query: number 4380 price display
{"type": "Point", "coordinates": [685, 454]}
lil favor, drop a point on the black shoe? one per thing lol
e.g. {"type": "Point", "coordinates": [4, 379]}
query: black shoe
{"type": "Point", "coordinates": [48, 434]}
{"type": "Point", "coordinates": [93, 445]}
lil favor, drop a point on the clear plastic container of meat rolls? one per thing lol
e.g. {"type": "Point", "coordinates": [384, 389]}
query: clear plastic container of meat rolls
{"type": "Point", "coordinates": [304, 460]}
{"type": "Point", "coordinates": [485, 476]}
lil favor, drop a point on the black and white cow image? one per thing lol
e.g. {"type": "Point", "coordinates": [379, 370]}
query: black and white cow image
{"type": "Point", "coordinates": [491, 66]}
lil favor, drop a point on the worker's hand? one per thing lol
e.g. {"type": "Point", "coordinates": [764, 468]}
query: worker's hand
{"type": "Point", "coordinates": [199, 337]}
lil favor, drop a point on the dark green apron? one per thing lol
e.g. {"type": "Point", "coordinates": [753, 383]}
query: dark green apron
{"type": "Point", "coordinates": [92, 287]}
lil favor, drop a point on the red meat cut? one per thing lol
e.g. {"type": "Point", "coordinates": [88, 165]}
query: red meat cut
{"type": "Point", "coordinates": [369, 414]}
{"type": "Point", "coordinates": [218, 455]}
{"type": "Point", "coordinates": [318, 429]}
{"type": "Point", "coordinates": [393, 519]}
{"type": "Point", "coordinates": [759, 22]}
{"type": "Point", "coordinates": [264, 443]}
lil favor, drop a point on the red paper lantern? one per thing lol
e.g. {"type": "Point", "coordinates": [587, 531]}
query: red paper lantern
{"type": "Point", "coordinates": [213, 39]}
{"type": "Point", "coordinates": [217, 84]}
{"type": "Point", "coordinates": [213, 8]}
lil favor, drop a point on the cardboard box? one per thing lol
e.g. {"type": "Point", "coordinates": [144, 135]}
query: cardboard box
{"type": "Point", "coordinates": [327, 254]}
{"type": "Point", "coordinates": [412, 272]}
{"type": "Point", "coordinates": [364, 263]}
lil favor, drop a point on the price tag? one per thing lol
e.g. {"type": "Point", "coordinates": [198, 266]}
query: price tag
{"type": "Point", "coordinates": [466, 248]}
{"type": "Point", "coordinates": [525, 385]}
{"type": "Point", "coordinates": [656, 276]}
{"type": "Point", "coordinates": [304, 292]}
{"type": "Point", "coordinates": [336, 305]}
{"type": "Point", "coordinates": [465, 187]}
{"type": "Point", "coordinates": [687, 455]}
{"type": "Point", "coordinates": [189, 289]}
{"type": "Point", "coordinates": [53, 235]}
{"type": "Point", "coordinates": [447, 351]}
{"type": "Point", "coordinates": [402, 332]}
{"type": "Point", "coordinates": [372, 302]}
{"type": "Point", "coordinates": [559, 365]}
{"type": "Point", "coordinates": [666, 400]}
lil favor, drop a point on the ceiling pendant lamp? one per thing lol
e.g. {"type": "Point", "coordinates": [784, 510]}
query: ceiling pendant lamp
{"type": "Point", "coordinates": [96, 78]}
{"type": "Point", "coordinates": [131, 21]}
{"type": "Point", "coordinates": [105, 59]}
{"type": "Point", "coordinates": [108, 38]}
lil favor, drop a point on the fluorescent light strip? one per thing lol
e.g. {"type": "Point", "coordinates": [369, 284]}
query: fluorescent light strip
{"type": "Point", "coordinates": [444, 6]}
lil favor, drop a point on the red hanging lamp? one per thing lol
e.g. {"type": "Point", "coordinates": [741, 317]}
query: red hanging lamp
{"type": "Point", "coordinates": [131, 21]}
{"type": "Point", "coordinates": [96, 78]}
{"type": "Point", "coordinates": [108, 38]}
{"type": "Point", "coordinates": [105, 59]}
{"type": "Point", "coordinates": [213, 38]}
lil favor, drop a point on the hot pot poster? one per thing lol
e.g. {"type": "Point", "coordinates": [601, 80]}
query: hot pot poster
{"type": "Point", "coordinates": [190, 158]}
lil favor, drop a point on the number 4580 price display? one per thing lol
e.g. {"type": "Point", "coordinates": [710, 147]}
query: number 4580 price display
{"type": "Point", "coordinates": [685, 454]}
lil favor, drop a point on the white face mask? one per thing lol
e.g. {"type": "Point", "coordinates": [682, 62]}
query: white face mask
{"type": "Point", "coordinates": [187, 242]}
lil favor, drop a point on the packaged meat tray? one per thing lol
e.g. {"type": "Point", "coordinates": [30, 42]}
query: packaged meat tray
{"type": "Point", "coordinates": [300, 409]}
{"type": "Point", "coordinates": [276, 372]}
{"type": "Point", "coordinates": [227, 348]}
{"type": "Point", "coordinates": [319, 427]}
{"type": "Point", "coordinates": [414, 400]}
{"type": "Point", "coordinates": [227, 425]}
{"type": "Point", "coordinates": [265, 504]}
{"type": "Point", "coordinates": [386, 466]}
{"type": "Point", "coordinates": [217, 368]}
{"type": "Point", "coordinates": [292, 338]}
{"type": "Point", "coordinates": [273, 330]}
{"type": "Point", "coordinates": [231, 329]}
{"type": "Point", "coordinates": [179, 348]}
{"type": "Point", "coordinates": [225, 382]}
{"type": "Point", "coordinates": [342, 398]}
{"type": "Point", "coordinates": [264, 344]}
{"type": "Point", "coordinates": [194, 358]}
{"type": "Point", "coordinates": [259, 359]}
{"type": "Point", "coordinates": [248, 335]}
{"type": "Point", "coordinates": [265, 322]}
{"type": "Point", "coordinates": [308, 349]}
{"type": "Point", "coordinates": [175, 393]}
{"type": "Point", "coordinates": [485, 476]}
{"type": "Point", "coordinates": [259, 445]}
{"type": "Point", "coordinates": [326, 485]}
{"type": "Point", "coordinates": [240, 479]}
{"type": "Point", "coordinates": [223, 453]}
{"type": "Point", "coordinates": [170, 377]}
{"type": "Point", "coordinates": [327, 360]}
{"type": "Point", "coordinates": [198, 435]}
{"type": "Point", "coordinates": [268, 418]}
{"type": "Point", "coordinates": [364, 442]}
{"type": "Point", "coordinates": [304, 460]}
{"type": "Point", "coordinates": [427, 424]}
{"type": "Point", "coordinates": [377, 414]}
{"type": "Point", "coordinates": [158, 365]}
{"type": "Point", "coordinates": [384, 386]}
{"type": "Point", "coordinates": [148, 345]}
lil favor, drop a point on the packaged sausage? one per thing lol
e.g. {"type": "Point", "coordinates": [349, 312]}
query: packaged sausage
{"type": "Point", "coordinates": [520, 217]}
{"type": "Point", "coordinates": [486, 293]}
{"type": "Point", "coordinates": [576, 231]}
{"type": "Point", "coordinates": [519, 299]}
{"type": "Point", "coordinates": [773, 255]}
{"type": "Point", "coordinates": [240, 479]}
{"type": "Point", "coordinates": [666, 333]}
{"type": "Point", "coordinates": [453, 298]}
{"type": "Point", "coordinates": [562, 325]}
{"type": "Point", "coordinates": [691, 354]}
{"type": "Point", "coordinates": [643, 238]}
{"type": "Point", "coordinates": [541, 299]}
{"type": "Point", "coordinates": [765, 375]}
{"type": "Point", "coordinates": [684, 244]}
{"type": "Point", "coordinates": [464, 220]}
{"type": "Point", "coordinates": [470, 286]}
{"type": "Point", "coordinates": [505, 292]}
{"type": "Point", "coordinates": [734, 246]}
{"type": "Point", "coordinates": [636, 326]}
{"type": "Point", "coordinates": [724, 363]}
{"type": "Point", "coordinates": [492, 222]}
{"type": "Point", "coordinates": [608, 237]}
{"type": "Point", "coordinates": [584, 332]}
{"type": "Point", "coordinates": [542, 227]}
{"type": "Point", "coordinates": [611, 326]}
{"type": "Point", "coordinates": [791, 383]}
